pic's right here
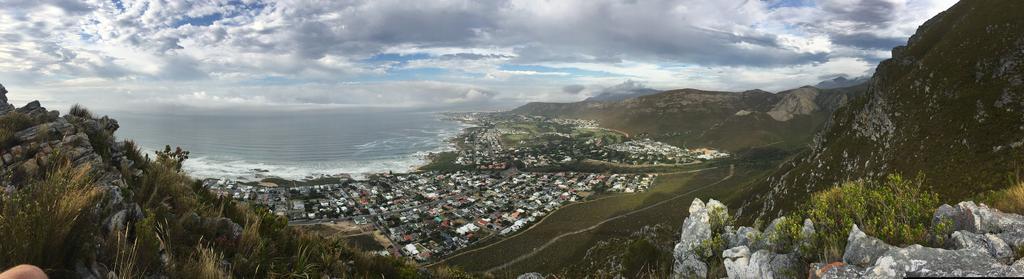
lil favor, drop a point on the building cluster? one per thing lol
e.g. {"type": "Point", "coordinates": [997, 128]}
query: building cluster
{"type": "Point", "coordinates": [482, 146]}
{"type": "Point", "coordinates": [431, 214]}
{"type": "Point", "coordinates": [646, 151]}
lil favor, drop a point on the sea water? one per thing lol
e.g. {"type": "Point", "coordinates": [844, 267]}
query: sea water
{"type": "Point", "coordinates": [293, 145]}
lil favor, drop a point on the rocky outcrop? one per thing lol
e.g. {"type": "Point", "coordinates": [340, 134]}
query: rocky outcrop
{"type": "Point", "coordinates": [800, 101]}
{"type": "Point", "coordinates": [696, 230]}
{"type": "Point", "coordinates": [738, 261]}
{"type": "Point", "coordinates": [979, 241]}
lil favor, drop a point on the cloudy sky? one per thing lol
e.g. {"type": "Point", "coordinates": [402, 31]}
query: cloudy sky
{"type": "Point", "coordinates": [177, 55]}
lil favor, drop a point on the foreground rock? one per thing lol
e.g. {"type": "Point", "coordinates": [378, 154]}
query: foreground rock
{"type": "Point", "coordinates": [978, 240]}
{"type": "Point", "coordinates": [696, 230]}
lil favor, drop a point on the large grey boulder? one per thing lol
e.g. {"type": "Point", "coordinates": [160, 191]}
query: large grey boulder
{"type": "Point", "coordinates": [696, 229]}
{"type": "Point", "coordinates": [919, 261]}
{"type": "Point", "coordinates": [743, 236]}
{"type": "Point", "coordinates": [978, 218]}
{"type": "Point", "coordinates": [741, 264]}
{"type": "Point", "coordinates": [531, 275]}
{"type": "Point", "coordinates": [988, 243]}
{"type": "Point", "coordinates": [863, 250]}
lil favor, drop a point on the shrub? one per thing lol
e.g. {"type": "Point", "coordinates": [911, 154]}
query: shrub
{"type": "Point", "coordinates": [896, 210]}
{"type": "Point", "coordinates": [642, 259]}
{"type": "Point", "coordinates": [10, 124]}
{"type": "Point", "coordinates": [80, 111]}
{"type": "Point", "coordinates": [101, 141]}
{"type": "Point", "coordinates": [36, 221]}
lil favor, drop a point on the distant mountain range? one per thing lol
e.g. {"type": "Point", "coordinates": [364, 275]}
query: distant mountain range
{"type": "Point", "coordinates": [841, 81]}
{"type": "Point", "coordinates": [726, 120]}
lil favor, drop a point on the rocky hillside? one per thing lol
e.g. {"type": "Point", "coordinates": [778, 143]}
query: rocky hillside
{"type": "Point", "coordinates": [80, 204]}
{"type": "Point", "coordinates": [948, 105]}
{"type": "Point", "coordinates": [727, 120]}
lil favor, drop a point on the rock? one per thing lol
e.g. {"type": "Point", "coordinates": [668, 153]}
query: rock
{"type": "Point", "coordinates": [3, 94]}
{"type": "Point", "coordinates": [977, 218]}
{"type": "Point", "coordinates": [744, 236]}
{"type": "Point", "coordinates": [863, 250]}
{"type": "Point", "coordinates": [696, 229]}
{"type": "Point", "coordinates": [4, 106]}
{"type": "Point", "coordinates": [31, 107]}
{"type": "Point", "coordinates": [116, 222]}
{"type": "Point", "coordinates": [769, 235]}
{"type": "Point", "coordinates": [835, 270]}
{"type": "Point", "coordinates": [795, 102]}
{"type": "Point", "coordinates": [919, 261]}
{"type": "Point", "coordinates": [531, 275]}
{"type": "Point", "coordinates": [988, 243]}
{"type": "Point", "coordinates": [739, 263]}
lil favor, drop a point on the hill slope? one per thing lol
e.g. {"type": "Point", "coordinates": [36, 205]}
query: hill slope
{"type": "Point", "coordinates": [726, 120]}
{"type": "Point", "coordinates": [949, 105]}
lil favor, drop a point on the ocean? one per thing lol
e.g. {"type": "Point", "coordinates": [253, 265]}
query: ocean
{"type": "Point", "coordinates": [293, 145]}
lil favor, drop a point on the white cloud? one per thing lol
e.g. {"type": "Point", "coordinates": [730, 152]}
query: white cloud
{"type": "Point", "coordinates": [301, 54]}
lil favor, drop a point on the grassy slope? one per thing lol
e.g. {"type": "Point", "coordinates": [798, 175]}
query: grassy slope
{"type": "Point", "coordinates": [673, 188]}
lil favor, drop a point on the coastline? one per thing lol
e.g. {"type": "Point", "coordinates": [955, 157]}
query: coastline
{"type": "Point", "coordinates": [260, 172]}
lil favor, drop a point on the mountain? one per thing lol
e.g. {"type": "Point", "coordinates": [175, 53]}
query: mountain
{"type": "Point", "coordinates": [726, 120]}
{"type": "Point", "coordinates": [80, 204]}
{"type": "Point", "coordinates": [841, 81]}
{"type": "Point", "coordinates": [949, 106]}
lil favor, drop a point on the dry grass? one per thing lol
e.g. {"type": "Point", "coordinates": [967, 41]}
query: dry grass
{"type": "Point", "coordinates": [80, 111]}
{"type": "Point", "coordinates": [1010, 199]}
{"type": "Point", "coordinates": [204, 264]}
{"type": "Point", "coordinates": [36, 221]}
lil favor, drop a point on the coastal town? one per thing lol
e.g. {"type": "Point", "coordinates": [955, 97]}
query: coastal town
{"type": "Point", "coordinates": [429, 214]}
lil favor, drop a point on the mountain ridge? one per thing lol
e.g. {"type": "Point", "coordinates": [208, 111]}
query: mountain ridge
{"type": "Point", "coordinates": [721, 119]}
{"type": "Point", "coordinates": [947, 106]}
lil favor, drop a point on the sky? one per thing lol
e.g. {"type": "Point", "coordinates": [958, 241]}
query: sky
{"type": "Point", "coordinates": [168, 56]}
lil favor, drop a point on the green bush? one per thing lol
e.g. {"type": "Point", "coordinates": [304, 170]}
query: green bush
{"type": "Point", "coordinates": [895, 210]}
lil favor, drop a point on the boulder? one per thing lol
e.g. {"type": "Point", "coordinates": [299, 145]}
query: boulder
{"type": "Point", "coordinates": [116, 223]}
{"type": "Point", "coordinates": [835, 270]}
{"type": "Point", "coordinates": [863, 250]}
{"type": "Point", "coordinates": [920, 261]}
{"type": "Point", "coordinates": [696, 229]}
{"type": "Point", "coordinates": [988, 243]}
{"type": "Point", "coordinates": [978, 218]}
{"type": "Point", "coordinates": [531, 275]}
{"type": "Point", "coordinates": [768, 237]}
{"type": "Point", "coordinates": [740, 263]}
{"type": "Point", "coordinates": [743, 236]}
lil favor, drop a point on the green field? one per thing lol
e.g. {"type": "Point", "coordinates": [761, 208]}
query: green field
{"type": "Point", "coordinates": [577, 227]}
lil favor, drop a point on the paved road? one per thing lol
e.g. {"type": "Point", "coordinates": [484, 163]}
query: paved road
{"type": "Point", "coordinates": [732, 170]}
